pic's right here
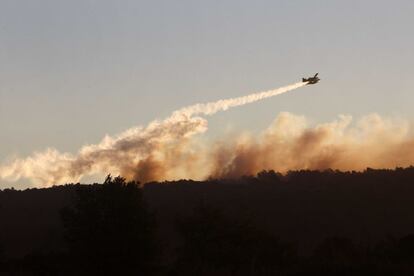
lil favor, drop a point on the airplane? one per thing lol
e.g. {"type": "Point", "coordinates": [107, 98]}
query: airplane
{"type": "Point", "coordinates": [312, 80]}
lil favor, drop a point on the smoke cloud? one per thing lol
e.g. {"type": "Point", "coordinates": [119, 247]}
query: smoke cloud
{"type": "Point", "coordinates": [159, 151]}
{"type": "Point", "coordinates": [291, 143]}
{"type": "Point", "coordinates": [170, 149]}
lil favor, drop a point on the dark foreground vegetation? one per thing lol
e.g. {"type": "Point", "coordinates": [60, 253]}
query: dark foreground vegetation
{"type": "Point", "coordinates": [303, 223]}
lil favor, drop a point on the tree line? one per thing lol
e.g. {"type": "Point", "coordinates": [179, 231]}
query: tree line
{"type": "Point", "coordinates": [109, 229]}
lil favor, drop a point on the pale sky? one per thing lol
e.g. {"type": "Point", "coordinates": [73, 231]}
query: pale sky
{"type": "Point", "coordinates": [72, 71]}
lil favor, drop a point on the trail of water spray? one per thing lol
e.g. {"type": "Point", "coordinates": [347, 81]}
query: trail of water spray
{"type": "Point", "coordinates": [222, 105]}
{"type": "Point", "coordinates": [135, 151]}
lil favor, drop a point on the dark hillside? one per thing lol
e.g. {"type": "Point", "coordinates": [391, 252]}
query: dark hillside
{"type": "Point", "coordinates": [308, 210]}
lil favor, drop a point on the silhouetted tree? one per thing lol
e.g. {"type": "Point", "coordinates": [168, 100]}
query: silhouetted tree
{"type": "Point", "coordinates": [109, 229]}
{"type": "Point", "coordinates": [337, 251]}
{"type": "Point", "coordinates": [214, 244]}
{"type": "Point", "coordinates": [405, 249]}
{"type": "Point", "coordinates": [1, 254]}
{"type": "Point", "coordinates": [269, 177]}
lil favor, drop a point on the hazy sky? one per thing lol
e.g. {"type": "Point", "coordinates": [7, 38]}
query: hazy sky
{"type": "Point", "coordinates": [73, 71]}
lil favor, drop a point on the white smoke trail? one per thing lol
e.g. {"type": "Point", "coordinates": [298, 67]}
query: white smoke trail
{"type": "Point", "coordinates": [136, 153]}
{"type": "Point", "coordinates": [222, 105]}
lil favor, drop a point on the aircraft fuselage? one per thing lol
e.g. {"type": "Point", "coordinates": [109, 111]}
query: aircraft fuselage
{"type": "Point", "coordinates": [312, 80]}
